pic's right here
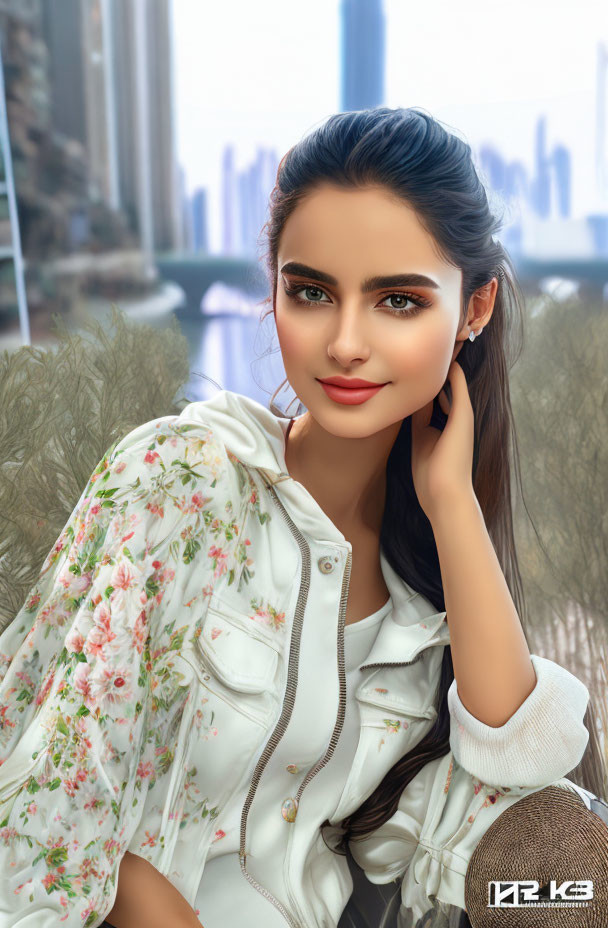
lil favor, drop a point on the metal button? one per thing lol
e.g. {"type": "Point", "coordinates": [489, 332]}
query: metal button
{"type": "Point", "coordinates": [289, 810]}
{"type": "Point", "coordinates": [326, 563]}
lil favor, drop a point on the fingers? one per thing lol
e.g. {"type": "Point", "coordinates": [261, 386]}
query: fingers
{"type": "Point", "coordinates": [461, 406]}
{"type": "Point", "coordinates": [459, 402]}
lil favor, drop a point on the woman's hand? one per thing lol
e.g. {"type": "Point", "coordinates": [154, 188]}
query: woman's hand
{"type": "Point", "coordinates": [442, 461]}
{"type": "Point", "coordinates": [146, 897]}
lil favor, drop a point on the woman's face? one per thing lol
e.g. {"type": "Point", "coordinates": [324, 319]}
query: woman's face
{"type": "Point", "coordinates": [399, 332]}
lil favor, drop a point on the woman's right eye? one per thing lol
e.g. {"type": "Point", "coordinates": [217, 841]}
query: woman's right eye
{"type": "Point", "coordinates": [294, 291]}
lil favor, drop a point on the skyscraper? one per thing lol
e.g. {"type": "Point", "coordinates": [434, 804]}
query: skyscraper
{"type": "Point", "coordinates": [110, 66]}
{"type": "Point", "coordinates": [200, 222]}
{"type": "Point", "coordinates": [140, 56]}
{"type": "Point", "coordinates": [244, 201]}
{"type": "Point", "coordinates": [362, 54]}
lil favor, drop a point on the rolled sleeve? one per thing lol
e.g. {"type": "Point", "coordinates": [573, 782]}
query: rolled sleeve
{"type": "Point", "coordinates": [428, 842]}
{"type": "Point", "coordinates": [542, 741]}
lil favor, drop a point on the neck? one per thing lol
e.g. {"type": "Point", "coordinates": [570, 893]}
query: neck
{"type": "Point", "coordinates": [346, 476]}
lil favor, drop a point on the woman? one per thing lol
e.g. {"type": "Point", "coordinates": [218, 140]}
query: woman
{"type": "Point", "coordinates": [237, 658]}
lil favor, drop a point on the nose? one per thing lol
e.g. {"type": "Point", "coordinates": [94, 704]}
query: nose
{"type": "Point", "coordinates": [348, 341]}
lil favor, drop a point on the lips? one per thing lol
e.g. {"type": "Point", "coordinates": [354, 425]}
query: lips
{"type": "Point", "coordinates": [357, 391]}
{"type": "Point", "coordinates": [350, 382]}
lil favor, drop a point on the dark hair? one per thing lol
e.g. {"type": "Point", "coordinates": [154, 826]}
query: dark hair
{"type": "Point", "coordinates": [412, 155]}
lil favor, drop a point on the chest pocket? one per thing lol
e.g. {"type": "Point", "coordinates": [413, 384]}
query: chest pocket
{"type": "Point", "coordinates": [238, 666]}
{"type": "Point", "coordinates": [241, 659]}
{"type": "Point", "coordinates": [406, 691]}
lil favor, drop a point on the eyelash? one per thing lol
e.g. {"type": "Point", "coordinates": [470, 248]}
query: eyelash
{"type": "Point", "coordinates": [420, 302]}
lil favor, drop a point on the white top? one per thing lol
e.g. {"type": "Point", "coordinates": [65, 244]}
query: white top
{"type": "Point", "coordinates": [224, 894]}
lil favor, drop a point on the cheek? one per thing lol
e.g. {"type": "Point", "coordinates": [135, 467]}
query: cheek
{"type": "Point", "coordinates": [286, 333]}
{"type": "Point", "coordinates": [421, 357]}
{"type": "Point", "coordinates": [296, 341]}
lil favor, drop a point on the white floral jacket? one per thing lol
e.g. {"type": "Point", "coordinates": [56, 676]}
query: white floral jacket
{"type": "Point", "coordinates": [166, 619]}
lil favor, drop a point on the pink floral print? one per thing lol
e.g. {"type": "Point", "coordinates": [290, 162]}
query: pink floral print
{"type": "Point", "coordinates": [84, 663]}
{"type": "Point", "coordinates": [267, 615]}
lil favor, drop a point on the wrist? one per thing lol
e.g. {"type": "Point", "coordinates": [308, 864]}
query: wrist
{"type": "Point", "coordinates": [452, 507]}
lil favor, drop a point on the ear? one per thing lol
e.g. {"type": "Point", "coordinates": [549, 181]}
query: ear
{"type": "Point", "coordinates": [480, 309]}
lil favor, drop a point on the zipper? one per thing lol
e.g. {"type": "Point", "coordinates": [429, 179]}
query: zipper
{"type": "Point", "coordinates": [292, 681]}
{"type": "Point", "coordinates": [392, 663]}
{"type": "Point", "coordinates": [342, 678]}
{"type": "Point", "coordinates": [288, 703]}
{"type": "Point", "coordinates": [417, 656]}
{"type": "Point", "coordinates": [341, 702]}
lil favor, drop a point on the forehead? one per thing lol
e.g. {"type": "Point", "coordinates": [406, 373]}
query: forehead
{"type": "Point", "coordinates": [351, 233]}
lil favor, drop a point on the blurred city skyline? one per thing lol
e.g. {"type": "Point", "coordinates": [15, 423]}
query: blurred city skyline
{"type": "Point", "coordinates": [146, 134]}
{"type": "Point", "coordinates": [479, 74]}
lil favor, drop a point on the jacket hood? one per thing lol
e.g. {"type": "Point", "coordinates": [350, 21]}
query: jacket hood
{"type": "Point", "coordinates": [257, 438]}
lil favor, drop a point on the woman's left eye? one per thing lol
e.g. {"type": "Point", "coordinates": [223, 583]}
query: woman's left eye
{"type": "Point", "coordinates": [419, 303]}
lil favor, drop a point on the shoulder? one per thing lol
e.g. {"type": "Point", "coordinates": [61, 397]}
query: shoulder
{"type": "Point", "coordinates": [150, 483]}
{"type": "Point", "coordinates": [165, 448]}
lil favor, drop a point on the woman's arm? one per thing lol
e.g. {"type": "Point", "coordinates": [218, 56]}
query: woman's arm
{"type": "Point", "coordinates": [146, 897]}
{"type": "Point", "coordinates": [516, 719]}
{"type": "Point", "coordinates": [492, 663]}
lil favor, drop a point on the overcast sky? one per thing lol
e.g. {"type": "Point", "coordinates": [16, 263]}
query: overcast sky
{"type": "Point", "coordinates": [266, 72]}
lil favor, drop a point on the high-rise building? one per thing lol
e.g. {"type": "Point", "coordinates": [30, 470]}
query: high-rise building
{"type": "Point", "coordinates": [200, 222]}
{"type": "Point", "coordinates": [110, 65]}
{"type": "Point", "coordinates": [73, 33]}
{"type": "Point", "coordinates": [89, 101]}
{"type": "Point", "coordinates": [50, 168]}
{"type": "Point", "coordinates": [363, 32]}
{"type": "Point", "coordinates": [245, 197]}
{"type": "Point", "coordinates": [186, 227]}
{"type": "Point", "coordinates": [140, 56]}
{"type": "Point", "coordinates": [551, 184]}
{"type": "Point", "coordinates": [230, 244]}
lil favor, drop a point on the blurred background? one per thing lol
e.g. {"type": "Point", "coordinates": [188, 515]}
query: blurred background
{"type": "Point", "coordinates": [145, 137]}
{"type": "Point", "coordinates": [140, 141]}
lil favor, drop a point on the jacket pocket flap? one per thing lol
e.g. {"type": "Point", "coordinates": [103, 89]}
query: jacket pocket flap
{"type": "Point", "coordinates": [406, 704]}
{"type": "Point", "coordinates": [408, 690]}
{"type": "Point", "coordinates": [251, 623]}
{"type": "Point", "coordinates": [241, 661]}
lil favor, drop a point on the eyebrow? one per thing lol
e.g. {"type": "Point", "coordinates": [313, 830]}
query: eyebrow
{"type": "Point", "coordinates": [372, 283]}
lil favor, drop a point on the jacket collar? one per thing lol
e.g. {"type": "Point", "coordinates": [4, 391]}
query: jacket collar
{"type": "Point", "coordinates": [256, 437]}
{"type": "Point", "coordinates": [249, 430]}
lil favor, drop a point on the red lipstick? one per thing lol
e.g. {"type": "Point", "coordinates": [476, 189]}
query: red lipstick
{"type": "Point", "coordinates": [350, 390]}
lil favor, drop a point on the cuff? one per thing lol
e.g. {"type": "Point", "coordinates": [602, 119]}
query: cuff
{"type": "Point", "coordinates": [542, 741]}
